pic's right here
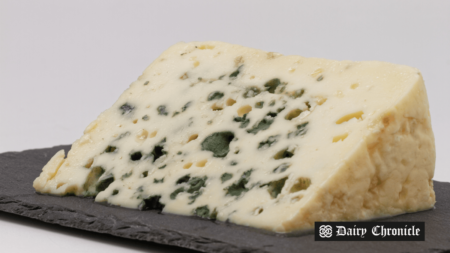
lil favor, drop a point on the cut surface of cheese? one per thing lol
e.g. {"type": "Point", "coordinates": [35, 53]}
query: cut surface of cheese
{"type": "Point", "coordinates": [259, 139]}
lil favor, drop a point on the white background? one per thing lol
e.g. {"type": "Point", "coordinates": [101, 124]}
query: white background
{"type": "Point", "coordinates": [63, 62]}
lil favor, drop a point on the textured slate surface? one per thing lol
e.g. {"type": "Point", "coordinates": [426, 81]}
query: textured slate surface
{"type": "Point", "coordinates": [17, 196]}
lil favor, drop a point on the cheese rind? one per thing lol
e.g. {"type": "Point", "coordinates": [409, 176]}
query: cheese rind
{"type": "Point", "coordinates": [276, 142]}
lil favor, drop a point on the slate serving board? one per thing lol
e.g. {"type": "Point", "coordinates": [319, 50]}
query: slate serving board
{"type": "Point", "coordinates": [17, 196]}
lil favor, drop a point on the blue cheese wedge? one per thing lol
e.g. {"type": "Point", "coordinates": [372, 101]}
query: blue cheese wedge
{"type": "Point", "coordinates": [259, 139]}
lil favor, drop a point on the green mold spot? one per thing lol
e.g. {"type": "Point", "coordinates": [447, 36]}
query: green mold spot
{"type": "Point", "coordinates": [225, 177]}
{"type": "Point", "coordinates": [235, 73]}
{"type": "Point", "coordinates": [301, 130]}
{"type": "Point", "coordinates": [126, 175]}
{"type": "Point", "coordinates": [104, 182]}
{"type": "Point", "coordinates": [158, 181]}
{"type": "Point", "coordinates": [174, 194]}
{"type": "Point", "coordinates": [218, 143]}
{"type": "Point", "coordinates": [183, 179]}
{"type": "Point", "coordinates": [264, 124]}
{"type": "Point", "coordinates": [215, 95]}
{"type": "Point", "coordinates": [297, 93]}
{"type": "Point", "coordinates": [269, 142]}
{"type": "Point", "coordinates": [259, 104]}
{"type": "Point", "coordinates": [151, 203]}
{"type": "Point", "coordinates": [126, 108]}
{"type": "Point", "coordinates": [158, 150]}
{"type": "Point", "coordinates": [121, 136]}
{"type": "Point", "coordinates": [243, 120]}
{"type": "Point", "coordinates": [110, 149]}
{"type": "Point", "coordinates": [193, 187]}
{"type": "Point", "coordinates": [281, 168]}
{"type": "Point", "coordinates": [136, 156]}
{"type": "Point", "coordinates": [272, 85]}
{"type": "Point", "coordinates": [162, 110]}
{"type": "Point", "coordinates": [275, 187]}
{"type": "Point", "coordinates": [239, 187]}
{"type": "Point", "coordinates": [204, 212]}
{"type": "Point", "coordinates": [251, 92]}
{"type": "Point", "coordinates": [186, 106]}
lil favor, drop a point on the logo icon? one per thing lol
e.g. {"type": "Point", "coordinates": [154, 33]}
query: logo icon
{"type": "Point", "coordinates": [325, 231]}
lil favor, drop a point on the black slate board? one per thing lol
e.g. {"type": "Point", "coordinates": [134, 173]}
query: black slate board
{"type": "Point", "coordinates": [17, 196]}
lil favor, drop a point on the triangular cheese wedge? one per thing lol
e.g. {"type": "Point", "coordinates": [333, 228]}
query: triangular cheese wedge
{"type": "Point", "coordinates": [276, 142]}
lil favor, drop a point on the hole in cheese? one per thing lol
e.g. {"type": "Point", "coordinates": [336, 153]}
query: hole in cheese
{"type": "Point", "coordinates": [244, 110]}
{"type": "Point", "coordinates": [258, 210]}
{"type": "Point", "coordinates": [354, 86]}
{"type": "Point", "coordinates": [216, 107]}
{"type": "Point", "coordinates": [387, 120]}
{"type": "Point", "coordinates": [293, 114]}
{"type": "Point", "coordinates": [302, 183]}
{"type": "Point", "coordinates": [340, 137]}
{"type": "Point", "coordinates": [153, 134]}
{"type": "Point", "coordinates": [320, 100]}
{"type": "Point", "coordinates": [203, 47]}
{"type": "Point", "coordinates": [141, 135]}
{"type": "Point", "coordinates": [285, 153]}
{"type": "Point", "coordinates": [230, 102]}
{"type": "Point", "coordinates": [308, 105]}
{"type": "Point", "coordinates": [192, 137]}
{"type": "Point", "coordinates": [93, 177]}
{"type": "Point", "coordinates": [72, 189]}
{"type": "Point", "coordinates": [296, 93]}
{"type": "Point", "coordinates": [357, 115]}
{"type": "Point", "coordinates": [316, 72]}
{"type": "Point", "coordinates": [296, 199]}
{"type": "Point", "coordinates": [187, 165]}
{"type": "Point", "coordinates": [184, 76]}
{"type": "Point", "coordinates": [89, 163]}
{"type": "Point", "coordinates": [110, 149]}
{"type": "Point", "coordinates": [201, 163]}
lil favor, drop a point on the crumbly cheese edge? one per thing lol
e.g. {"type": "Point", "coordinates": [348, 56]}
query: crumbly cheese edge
{"type": "Point", "coordinates": [389, 173]}
{"type": "Point", "coordinates": [49, 171]}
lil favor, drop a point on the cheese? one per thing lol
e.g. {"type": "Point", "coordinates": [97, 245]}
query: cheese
{"type": "Point", "coordinates": [259, 139]}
